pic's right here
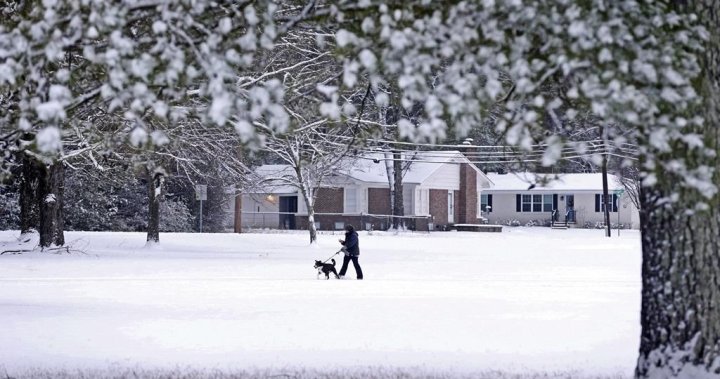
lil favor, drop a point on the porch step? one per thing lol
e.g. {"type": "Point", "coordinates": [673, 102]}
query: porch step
{"type": "Point", "coordinates": [478, 228]}
{"type": "Point", "coordinates": [559, 225]}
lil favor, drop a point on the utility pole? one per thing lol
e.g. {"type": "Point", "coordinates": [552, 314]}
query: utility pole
{"type": "Point", "coordinates": [607, 204]}
{"type": "Point", "coordinates": [605, 194]}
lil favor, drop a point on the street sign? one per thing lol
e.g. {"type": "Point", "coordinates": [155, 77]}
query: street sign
{"type": "Point", "coordinates": [200, 192]}
{"type": "Point", "coordinates": [619, 192]}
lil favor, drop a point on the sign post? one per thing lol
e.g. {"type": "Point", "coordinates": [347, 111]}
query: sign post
{"type": "Point", "coordinates": [201, 194]}
{"type": "Point", "coordinates": [619, 193]}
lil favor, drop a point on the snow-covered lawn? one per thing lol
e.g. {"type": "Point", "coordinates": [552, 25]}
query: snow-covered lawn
{"type": "Point", "coordinates": [525, 300]}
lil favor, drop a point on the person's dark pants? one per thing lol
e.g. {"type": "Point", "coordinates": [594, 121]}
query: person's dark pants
{"type": "Point", "coordinates": [346, 260]}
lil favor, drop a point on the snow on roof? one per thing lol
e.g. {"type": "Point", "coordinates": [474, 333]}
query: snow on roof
{"type": "Point", "coordinates": [270, 171]}
{"type": "Point", "coordinates": [371, 167]}
{"type": "Point", "coordinates": [563, 182]}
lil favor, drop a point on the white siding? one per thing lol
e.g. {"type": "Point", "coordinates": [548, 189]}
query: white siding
{"type": "Point", "coordinates": [260, 211]}
{"type": "Point", "coordinates": [302, 207]}
{"type": "Point", "coordinates": [422, 201]}
{"type": "Point", "coordinates": [445, 177]}
{"type": "Point", "coordinates": [482, 182]}
{"type": "Point", "coordinates": [364, 199]}
{"type": "Point", "coordinates": [504, 209]}
{"type": "Point", "coordinates": [409, 200]}
{"type": "Point", "coordinates": [351, 200]}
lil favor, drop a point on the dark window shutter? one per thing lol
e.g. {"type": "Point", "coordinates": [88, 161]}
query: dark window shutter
{"type": "Point", "coordinates": [597, 202]}
{"type": "Point", "coordinates": [489, 203]}
{"type": "Point", "coordinates": [555, 201]}
{"type": "Point", "coordinates": [615, 203]}
{"type": "Point", "coordinates": [517, 203]}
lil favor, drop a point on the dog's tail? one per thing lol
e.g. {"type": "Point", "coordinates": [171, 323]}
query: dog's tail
{"type": "Point", "coordinates": [333, 261]}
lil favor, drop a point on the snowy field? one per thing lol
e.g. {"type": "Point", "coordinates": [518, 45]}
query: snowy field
{"type": "Point", "coordinates": [528, 301]}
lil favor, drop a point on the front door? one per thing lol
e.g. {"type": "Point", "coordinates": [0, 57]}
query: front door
{"type": "Point", "coordinates": [570, 208]}
{"type": "Point", "coordinates": [451, 207]}
{"type": "Point", "coordinates": [288, 208]}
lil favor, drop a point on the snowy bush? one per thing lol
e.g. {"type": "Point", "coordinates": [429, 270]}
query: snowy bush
{"type": "Point", "coordinates": [175, 217]}
{"type": "Point", "coordinates": [9, 208]}
{"type": "Point", "coordinates": [117, 201]}
{"type": "Point", "coordinates": [601, 225]}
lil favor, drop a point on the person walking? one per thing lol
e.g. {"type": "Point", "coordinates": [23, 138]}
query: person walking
{"type": "Point", "coordinates": [351, 248]}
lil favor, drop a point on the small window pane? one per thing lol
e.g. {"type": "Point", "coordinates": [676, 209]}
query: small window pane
{"type": "Point", "coordinates": [527, 203]}
{"type": "Point", "coordinates": [483, 203]}
{"type": "Point", "coordinates": [536, 202]}
{"type": "Point", "coordinates": [547, 203]}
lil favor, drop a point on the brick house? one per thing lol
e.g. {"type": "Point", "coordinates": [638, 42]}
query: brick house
{"type": "Point", "coordinates": [439, 189]}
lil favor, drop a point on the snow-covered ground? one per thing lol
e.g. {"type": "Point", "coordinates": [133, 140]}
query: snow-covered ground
{"type": "Point", "coordinates": [525, 300]}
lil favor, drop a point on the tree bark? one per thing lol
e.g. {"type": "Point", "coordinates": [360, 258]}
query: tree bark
{"type": "Point", "coordinates": [680, 316]}
{"type": "Point", "coordinates": [155, 185]}
{"type": "Point", "coordinates": [51, 188]}
{"type": "Point", "coordinates": [308, 195]}
{"type": "Point", "coordinates": [311, 226]}
{"type": "Point", "coordinates": [29, 182]}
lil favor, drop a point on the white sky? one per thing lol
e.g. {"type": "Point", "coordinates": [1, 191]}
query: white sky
{"type": "Point", "coordinates": [524, 299]}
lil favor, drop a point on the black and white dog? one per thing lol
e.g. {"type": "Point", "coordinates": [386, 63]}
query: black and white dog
{"type": "Point", "coordinates": [326, 268]}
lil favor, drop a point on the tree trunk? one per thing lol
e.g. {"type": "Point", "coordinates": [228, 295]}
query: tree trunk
{"type": "Point", "coordinates": [308, 195]}
{"type": "Point", "coordinates": [29, 206]}
{"type": "Point", "coordinates": [311, 226]}
{"type": "Point", "coordinates": [309, 198]}
{"type": "Point", "coordinates": [606, 196]}
{"type": "Point", "coordinates": [51, 188]}
{"type": "Point", "coordinates": [238, 213]}
{"type": "Point", "coordinates": [155, 186]}
{"type": "Point", "coordinates": [680, 315]}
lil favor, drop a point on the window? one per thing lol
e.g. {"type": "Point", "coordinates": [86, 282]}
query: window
{"type": "Point", "coordinates": [600, 203]}
{"type": "Point", "coordinates": [548, 203]}
{"type": "Point", "coordinates": [535, 203]}
{"type": "Point", "coordinates": [527, 203]}
{"type": "Point", "coordinates": [486, 203]}
{"type": "Point", "coordinates": [339, 225]}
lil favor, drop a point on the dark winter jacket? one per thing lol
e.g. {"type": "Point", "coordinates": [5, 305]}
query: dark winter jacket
{"type": "Point", "coordinates": [352, 244]}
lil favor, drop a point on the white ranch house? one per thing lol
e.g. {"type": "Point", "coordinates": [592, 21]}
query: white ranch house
{"type": "Point", "coordinates": [576, 197]}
